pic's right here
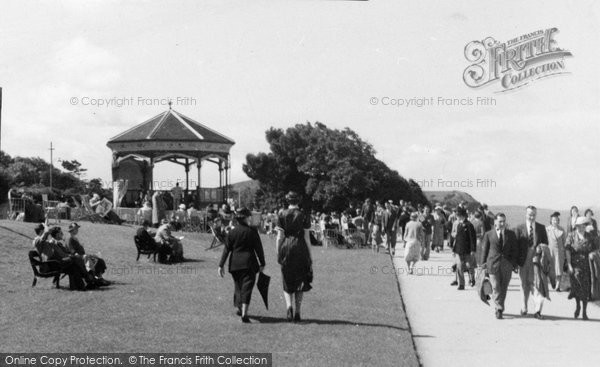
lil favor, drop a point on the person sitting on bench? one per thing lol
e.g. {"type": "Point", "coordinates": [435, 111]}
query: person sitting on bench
{"type": "Point", "coordinates": [50, 247]}
{"type": "Point", "coordinates": [93, 264]}
{"type": "Point", "coordinates": [164, 237]}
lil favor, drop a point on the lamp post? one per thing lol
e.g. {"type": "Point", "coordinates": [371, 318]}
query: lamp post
{"type": "Point", "coordinates": [51, 165]}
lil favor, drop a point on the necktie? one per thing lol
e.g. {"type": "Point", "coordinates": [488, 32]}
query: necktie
{"type": "Point", "coordinates": [501, 241]}
{"type": "Point", "coordinates": [531, 235]}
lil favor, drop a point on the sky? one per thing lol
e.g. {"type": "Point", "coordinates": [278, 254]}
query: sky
{"type": "Point", "coordinates": [244, 67]}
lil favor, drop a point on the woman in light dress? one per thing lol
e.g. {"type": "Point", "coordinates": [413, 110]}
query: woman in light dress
{"type": "Point", "coordinates": [556, 242]}
{"type": "Point", "coordinates": [413, 237]}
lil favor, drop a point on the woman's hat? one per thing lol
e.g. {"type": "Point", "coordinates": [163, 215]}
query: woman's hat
{"type": "Point", "coordinates": [164, 221]}
{"type": "Point", "coordinates": [243, 212]}
{"type": "Point", "coordinates": [555, 214]}
{"type": "Point", "coordinates": [73, 226]}
{"type": "Point", "coordinates": [292, 196]}
{"type": "Point", "coordinates": [582, 221]}
{"type": "Point", "coordinates": [182, 206]}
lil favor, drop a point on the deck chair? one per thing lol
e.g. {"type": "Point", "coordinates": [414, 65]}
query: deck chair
{"type": "Point", "coordinates": [217, 239]}
{"type": "Point", "coordinates": [50, 208]}
{"type": "Point", "coordinates": [355, 238]}
{"type": "Point", "coordinates": [88, 211]}
{"type": "Point", "coordinates": [144, 248]}
{"type": "Point", "coordinates": [331, 237]}
{"type": "Point", "coordinates": [45, 269]}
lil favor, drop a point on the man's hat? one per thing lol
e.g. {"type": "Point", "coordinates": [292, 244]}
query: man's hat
{"type": "Point", "coordinates": [243, 212]}
{"type": "Point", "coordinates": [73, 226]}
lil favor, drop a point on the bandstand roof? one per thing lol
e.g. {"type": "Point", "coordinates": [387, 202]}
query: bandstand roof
{"type": "Point", "coordinates": [170, 132]}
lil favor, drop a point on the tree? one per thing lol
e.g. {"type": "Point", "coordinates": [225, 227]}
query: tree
{"type": "Point", "coordinates": [73, 167]}
{"type": "Point", "coordinates": [328, 167]}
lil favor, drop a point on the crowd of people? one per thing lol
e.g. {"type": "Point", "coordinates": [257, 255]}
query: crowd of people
{"type": "Point", "coordinates": [545, 257]}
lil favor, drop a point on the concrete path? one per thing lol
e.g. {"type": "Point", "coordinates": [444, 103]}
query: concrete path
{"type": "Point", "coordinates": [454, 328]}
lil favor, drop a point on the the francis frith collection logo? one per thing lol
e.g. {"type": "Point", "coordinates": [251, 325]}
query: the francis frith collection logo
{"type": "Point", "coordinates": [514, 63]}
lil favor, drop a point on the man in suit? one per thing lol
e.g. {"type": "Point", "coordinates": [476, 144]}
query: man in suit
{"type": "Point", "coordinates": [529, 236]}
{"type": "Point", "coordinates": [464, 249]}
{"type": "Point", "coordinates": [499, 256]}
{"type": "Point", "coordinates": [390, 225]}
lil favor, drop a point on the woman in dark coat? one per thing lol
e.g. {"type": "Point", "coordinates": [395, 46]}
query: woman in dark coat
{"type": "Point", "coordinates": [293, 254]}
{"type": "Point", "coordinates": [577, 249]}
{"type": "Point", "coordinates": [246, 258]}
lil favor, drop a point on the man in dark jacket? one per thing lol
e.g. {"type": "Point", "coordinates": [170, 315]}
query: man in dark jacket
{"type": "Point", "coordinates": [464, 249]}
{"type": "Point", "coordinates": [390, 226]}
{"type": "Point", "coordinates": [499, 255]}
{"type": "Point", "coordinates": [529, 236]}
{"type": "Point", "coordinates": [246, 258]}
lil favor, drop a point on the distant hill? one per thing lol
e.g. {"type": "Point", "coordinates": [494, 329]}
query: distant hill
{"type": "Point", "coordinates": [450, 198]}
{"type": "Point", "coordinates": [243, 185]}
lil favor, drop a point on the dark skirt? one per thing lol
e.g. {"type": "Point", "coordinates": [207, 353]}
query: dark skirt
{"type": "Point", "coordinates": [580, 279]}
{"type": "Point", "coordinates": [296, 265]}
{"type": "Point", "coordinates": [244, 283]}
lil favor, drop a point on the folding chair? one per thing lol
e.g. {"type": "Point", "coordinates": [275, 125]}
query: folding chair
{"type": "Point", "coordinates": [50, 207]}
{"type": "Point", "coordinates": [355, 238]}
{"type": "Point", "coordinates": [15, 207]}
{"type": "Point", "coordinates": [330, 237]}
{"type": "Point", "coordinates": [217, 240]}
{"type": "Point", "coordinates": [88, 211]}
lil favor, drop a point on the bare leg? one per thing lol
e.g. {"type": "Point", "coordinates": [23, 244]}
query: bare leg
{"type": "Point", "coordinates": [244, 309]}
{"type": "Point", "coordinates": [288, 303]}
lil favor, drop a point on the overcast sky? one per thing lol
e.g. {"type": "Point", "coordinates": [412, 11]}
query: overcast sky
{"type": "Point", "coordinates": [253, 65]}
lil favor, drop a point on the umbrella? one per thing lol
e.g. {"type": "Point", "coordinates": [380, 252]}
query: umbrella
{"type": "Point", "coordinates": [263, 287]}
{"type": "Point", "coordinates": [484, 287]}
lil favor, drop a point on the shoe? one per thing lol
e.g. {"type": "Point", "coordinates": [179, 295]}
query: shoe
{"type": "Point", "coordinates": [297, 318]}
{"type": "Point", "coordinates": [454, 283]}
{"type": "Point", "coordinates": [499, 314]}
{"type": "Point", "coordinates": [472, 283]}
{"type": "Point", "coordinates": [238, 312]}
{"type": "Point", "coordinates": [245, 319]}
{"type": "Point", "coordinates": [538, 316]}
{"type": "Point", "coordinates": [585, 317]}
{"type": "Point", "coordinates": [523, 312]}
{"type": "Point", "coordinates": [290, 314]}
{"type": "Point", "coordinates": [461, 288]}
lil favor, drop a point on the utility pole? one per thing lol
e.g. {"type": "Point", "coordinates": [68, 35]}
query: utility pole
{"type": "Point", "coordinates": [51, 165]}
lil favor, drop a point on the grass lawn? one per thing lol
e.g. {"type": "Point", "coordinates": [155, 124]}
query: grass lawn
{"type": "Point", "coordinates": [351, 317]}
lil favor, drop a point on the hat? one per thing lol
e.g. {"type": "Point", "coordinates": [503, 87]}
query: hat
{"type": "Point", "coordinates": [39, 228]}
{"type": "Point", "coordinates": [414, 215]}
{"type": "Point", "coordinates": [292, 196]}
{"type": "Point", "coordinates": [73, 226]}
{"type": "Point", "coordinates": [582, 221]}
{"type": "Point", "coordinates": [555, 214]}
{"type": "Point", "coordinates": [182, 206]}
{"type": "Point", "coordinates": [164, 221]}
{"type": "Point", "coordinates": [242, 212]}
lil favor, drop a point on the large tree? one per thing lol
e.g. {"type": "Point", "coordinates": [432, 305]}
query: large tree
{"type": "Point", "coordinates": [329, 167]}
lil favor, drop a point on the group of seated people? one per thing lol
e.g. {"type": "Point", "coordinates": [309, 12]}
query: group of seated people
{"type": "Point", "coordinates": [84, 270]}
{"type": "Point", "coordinates": [167, 246]}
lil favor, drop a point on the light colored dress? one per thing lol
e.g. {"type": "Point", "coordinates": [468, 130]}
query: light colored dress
{"type": "Point", "coordinates": [413, 233]}
{"type": "Point", "coordinates": [556, 243]}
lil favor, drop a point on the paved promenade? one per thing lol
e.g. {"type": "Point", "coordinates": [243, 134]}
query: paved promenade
{"type": "Point", "coordinates": [454, 328]}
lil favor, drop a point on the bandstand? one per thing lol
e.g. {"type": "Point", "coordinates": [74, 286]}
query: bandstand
{"type": "Point", "coordinates": [176, 138]}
